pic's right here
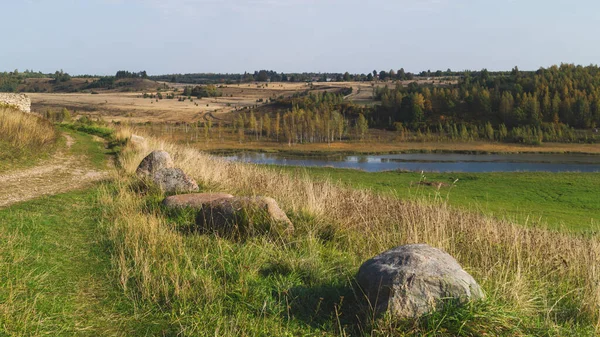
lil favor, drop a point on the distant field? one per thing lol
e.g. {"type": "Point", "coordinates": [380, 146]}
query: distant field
{"type": "Point", "coordinates": [556, 200]}
{"type": "Point", "coordinates": [118, 106]}
{"type": "Point", "coordinates": [132, 107]}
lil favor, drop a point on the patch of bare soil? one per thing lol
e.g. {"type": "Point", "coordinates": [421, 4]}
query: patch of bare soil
{"type": "Point", "coordinates": [60, 174]}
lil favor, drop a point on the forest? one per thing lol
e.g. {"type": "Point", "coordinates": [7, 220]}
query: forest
{"type": "Point", "coordinates": [565, 94]}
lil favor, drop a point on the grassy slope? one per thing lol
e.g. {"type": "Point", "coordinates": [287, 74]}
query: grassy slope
{"type": "Point", "coordinates": [559, 200]}
{"type": "Point", "coordinates": [300, 286]}
{"type": "Point", "coordinates": [59, 279]}
{"type": "Point", "coordinates": [303, 285]}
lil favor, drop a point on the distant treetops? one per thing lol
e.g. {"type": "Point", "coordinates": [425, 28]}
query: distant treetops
{"type": "Point", "coordinates": [565, 94]}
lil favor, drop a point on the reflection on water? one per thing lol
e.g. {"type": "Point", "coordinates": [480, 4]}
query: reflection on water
{"type": "Point", "coordinates": [436, 162]}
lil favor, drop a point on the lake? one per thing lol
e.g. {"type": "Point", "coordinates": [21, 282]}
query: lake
{"type": "Point", "coordinates": [434, 162]}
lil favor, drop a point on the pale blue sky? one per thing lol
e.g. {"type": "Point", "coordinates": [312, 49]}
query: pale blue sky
{"type": "Point", "coordinates": [183, 36]}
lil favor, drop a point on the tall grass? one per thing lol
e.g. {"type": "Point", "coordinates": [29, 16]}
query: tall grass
{"type": "Point", "coordinates": [537, 281]}
{"type": "Point", "coordinates": [25, 130]}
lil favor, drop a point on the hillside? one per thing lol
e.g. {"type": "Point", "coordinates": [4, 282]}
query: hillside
{"type": "Point", "coordinates": [305, 283]}
{"type": "Point", "coordinates": [78, 84]}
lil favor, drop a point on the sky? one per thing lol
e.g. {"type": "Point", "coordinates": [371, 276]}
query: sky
{"type": "Point", "coordinates": [233, 36]}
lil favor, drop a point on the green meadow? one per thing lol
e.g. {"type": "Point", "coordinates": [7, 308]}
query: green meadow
{"type": "Point", "coordinates": [568, 201]}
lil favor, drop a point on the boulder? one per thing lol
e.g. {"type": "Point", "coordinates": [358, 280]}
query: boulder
{"type": "Point", "coordinates": [155, 161]}
{"type": "Point", "coordinates": [194, 200]}
{"type": "Point", "coordinates": [158, 167]}
{"type": "Point", "coordinates": [244, 216]}
{"type": "Point", "coordinates": [173, 180]}
{"type": "Point", "coordinates": [413, 280]}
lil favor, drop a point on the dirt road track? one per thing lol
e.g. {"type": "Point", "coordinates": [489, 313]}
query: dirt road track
{"type": "Point", "coordinates": [62, 173]}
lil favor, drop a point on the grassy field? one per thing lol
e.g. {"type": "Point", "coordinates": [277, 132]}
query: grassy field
{"type": "Point", "coordinates": [567, 201]}
{"type": "Point", "coordinates": [113, 105]}
{"type": "Point", "coordinates": [56, 276]}
{"type": "Point", "coordinates": [303, 285]}
{"type": "Point", "coordinates": [110, 260]}
{"type": "Point", "coordinates": [132, 107]}
{"type": "Point", "coordinates": [54, 271]}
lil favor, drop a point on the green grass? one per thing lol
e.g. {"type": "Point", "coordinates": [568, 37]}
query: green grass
{"type": "Point", "coordinates": [54, 270]}
{"type": "Point", "coordinates": [56, 278]}
{"type": "Point", "coordinates": [557, 200]}
{"type": "Point", "coordinates": [303, 285]}
{"type": "Point", "coordinates": [92, 129]}
{"type": "Point", "coordinates": [94, 152]}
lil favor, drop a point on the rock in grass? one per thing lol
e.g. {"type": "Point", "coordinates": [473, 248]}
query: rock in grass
{"type": "Point", "coordinates": [244, 216]}
{"type": "Point", "coordinates": [154, 162]}
{"type": "Point", "coordinates": [194, 200]}
{"type": "Point", "coordinates": [158, 167]}
{"type": "Point", "coordinates": [413, 280]}
{"type": "Point", "coordinates": [174, 180]}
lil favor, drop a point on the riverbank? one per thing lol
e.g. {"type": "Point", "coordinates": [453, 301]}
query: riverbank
{"type": "Point", "coordinates": [355, 148]}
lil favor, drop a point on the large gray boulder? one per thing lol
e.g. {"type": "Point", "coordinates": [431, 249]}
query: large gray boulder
{"type": "Point", "coordinates": [193, 200]}
{"type": "Point", "coordinates": [158, 167]}
{"type": "Point", "coordinates": [413, 280]}
{"type": "Point", "coordinates": [244, 216]}
{"type": "Point", "coordinates": [153, 162]}
{"type": "Point", "coordinates": [174, 180]}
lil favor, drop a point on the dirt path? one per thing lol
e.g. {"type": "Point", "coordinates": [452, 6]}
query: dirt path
{"type": "Point", "coordinates": [62, 173]}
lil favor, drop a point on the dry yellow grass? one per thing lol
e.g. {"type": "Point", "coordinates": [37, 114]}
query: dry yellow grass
{"type": "Point", "coordinates": [132, 107]}
{"type": "Point", "coordinates": [535, 272]}
{"type": "Point", "coordinates": [24, 130]}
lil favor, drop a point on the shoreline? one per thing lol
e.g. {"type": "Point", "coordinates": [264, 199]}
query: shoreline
{"type": "Point", "coordinates": [375, 153]}
{"type": "Point", "coordinates": [319, 151]}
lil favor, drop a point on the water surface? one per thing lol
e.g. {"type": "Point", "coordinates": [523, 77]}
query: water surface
{"type": "Point", "coordinates": [435, 162]}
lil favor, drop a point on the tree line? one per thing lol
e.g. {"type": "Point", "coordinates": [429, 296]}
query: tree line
{"type": "Point", "coordinates": [565, 94]}
{"type": "Point", "coordinates": [127, 74]}
{"type": "Point", "coordinates": [10, 81]}
{"type": "Point", "coordinates": [273, 76]}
